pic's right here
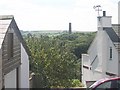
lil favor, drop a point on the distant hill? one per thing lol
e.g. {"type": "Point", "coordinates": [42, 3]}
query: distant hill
{"type": "Point", "coordinates": [44, 32]}
{"type": "Point", "coordinates": [48, 32]}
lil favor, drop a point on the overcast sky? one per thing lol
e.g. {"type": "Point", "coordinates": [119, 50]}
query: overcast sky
{"type": "Point", "coordinates": [56, 14]}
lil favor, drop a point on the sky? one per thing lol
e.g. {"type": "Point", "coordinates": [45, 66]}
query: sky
{"type": "Point", "coordinates": [56, 14]}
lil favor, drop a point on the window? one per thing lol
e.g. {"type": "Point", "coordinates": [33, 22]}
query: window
{"type": "Point", "coordinates": [10, 45]}
{"type": "Point", "coordinates": [110, 52]}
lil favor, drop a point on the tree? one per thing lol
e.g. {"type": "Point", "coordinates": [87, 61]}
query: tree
{"type": "Point", "coordinates": [55, 59]}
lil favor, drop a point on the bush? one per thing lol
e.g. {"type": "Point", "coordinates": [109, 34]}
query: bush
{"type": "Point", "coordinates": [76, 83]}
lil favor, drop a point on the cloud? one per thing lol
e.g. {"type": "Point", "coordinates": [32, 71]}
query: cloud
{"type": "Point", "coordinates": [56, 14]}
{"type": "Point", "coordinates": [86, 17]}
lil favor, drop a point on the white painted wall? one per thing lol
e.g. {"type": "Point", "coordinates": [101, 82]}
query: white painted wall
{"type": "Point", "coordinates": [85, 72]}
{"type": "Point", "coordinates": [114, 61]}
{"type": "Point", "coordinates": [104, 21]}
{"type": "Point", "coordinates": [104, 51]}
{"type": "Point", "coordinates": [119, 12]}
{"type": "Point", "coordinates": [24, 69]}
{"type": "Point", "coordinates": [119, 63]}
{"type": "Point", "coordinates": [86, 76]}
{"type": "Point", "coordinates": [101, 48]}
{"type": "Point", "coordinates": [1, 69]}
{"type": "Point", "coordinates": [10, 79]}
{"type": "Point", "coordinates": [85, 60]}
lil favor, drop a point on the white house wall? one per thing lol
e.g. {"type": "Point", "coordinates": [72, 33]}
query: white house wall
{"type": "Point", "coordinates": [85, 72]}
{"type": "Point", "coordinates": [24, 69]}
{"type": "Point", "coordinates": [119, 12]}
{"type": "Point", "coordinates": [104, 21]}
{"type": "Point", "coordinates": [102, 63]}
{"type": "Point", "coordinates": [86, 76]}
{"type": "Point", "coordinates": [93, 45]}
{"type": "Point", "coordinates": [92, 52]}
{"type": "Point", "coordinates": [87, 59]}
{"type": "Point", "coordinates": [0, 69]}
{"type": "Point", "coordinates": [119, 64]}
{"type": "Point", "coordinates": [99, 53]}
{"type": "Point", "coordinates": [103, 51]}
{"type": "Point", "coordinates": [104, 55]}
{"type": "Point", "coordinates": [10, 79]}
{"type": "Point", "coordinates": [112, 64]}
{"type": "Point", "coordinates": [95, 56]}
{"type": "Point", "coordinates": [100, 46]}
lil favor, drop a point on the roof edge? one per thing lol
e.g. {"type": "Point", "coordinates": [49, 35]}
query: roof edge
{"type": "Point", "coordinates": [115, 24]}
{"type": "Point", "coordinates": [4, 17]}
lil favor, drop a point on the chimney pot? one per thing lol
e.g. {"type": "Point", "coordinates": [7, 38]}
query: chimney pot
{"type": "Point", "coordinates": [104, 13]}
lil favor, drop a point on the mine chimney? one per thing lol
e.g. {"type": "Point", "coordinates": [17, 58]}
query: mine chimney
{"type": "Point", "coordinates": [70, 28]}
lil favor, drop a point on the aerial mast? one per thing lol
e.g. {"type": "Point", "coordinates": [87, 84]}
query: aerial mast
{"type": "Point", "coordinates": [98, 9]}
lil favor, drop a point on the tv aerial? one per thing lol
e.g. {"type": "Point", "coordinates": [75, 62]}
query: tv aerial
{"type": "Point", "coordinates": [98, 9]}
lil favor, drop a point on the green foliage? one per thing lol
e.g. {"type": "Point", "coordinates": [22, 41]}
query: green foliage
{"type": "Point", "coordinates": [78, 43]}
{"type": "Point", "coordinates": [56, 59]}
{"type": "Point", "coordinates": [76, 83]}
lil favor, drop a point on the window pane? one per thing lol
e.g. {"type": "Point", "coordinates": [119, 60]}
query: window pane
{"type": "Point", "coordinates": [110, 52]}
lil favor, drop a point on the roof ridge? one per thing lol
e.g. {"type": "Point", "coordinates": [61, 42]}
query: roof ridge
{"type": "Point", "coordinates": [5, 17]}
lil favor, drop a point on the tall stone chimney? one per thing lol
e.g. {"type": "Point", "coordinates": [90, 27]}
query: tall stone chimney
{"type": "Point", "coordinates": [70, 28]}
{"type": "Point", "coordinates": [104, 21]}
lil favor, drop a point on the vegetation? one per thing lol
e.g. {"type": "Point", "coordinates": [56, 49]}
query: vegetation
{"type": "Point", "coordinates": [56, 59]}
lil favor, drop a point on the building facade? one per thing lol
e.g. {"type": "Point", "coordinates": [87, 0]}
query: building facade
{"type": "Point", "coordinates": [102, 58]}
{"type": "Point", "coordinates": [14, 57]}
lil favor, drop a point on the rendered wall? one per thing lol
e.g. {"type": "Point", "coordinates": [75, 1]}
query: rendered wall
{"type": "Point", "coordinates": [0, 69]}
{"type": "Point", "coordinates": [10, 79]}
{"type": "Point", "coordinates": [119, 12]}
{"type": "Point", "coordinates": [24, 69]}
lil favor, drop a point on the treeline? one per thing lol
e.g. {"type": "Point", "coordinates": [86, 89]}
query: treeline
{"type": "Point", "coordinates": [56, 60]}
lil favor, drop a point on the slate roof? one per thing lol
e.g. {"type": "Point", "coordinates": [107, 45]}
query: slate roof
{"type": "Point", "coordinates": [116, 28]}
{"type": "Point", "coordinates": [5, 22]}
{"type": "Point", "coordinates": [111, 33]}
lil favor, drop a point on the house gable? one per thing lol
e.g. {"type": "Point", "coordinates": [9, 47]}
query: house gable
{"type": "Point", "coordinates": [20, 37]}
{"type": "Point", "coordinates": [11, 50]}
{"type": "Point", "coordinates": [4, 24]}
{"type": "Point", "coordinates": [8, 25]}
{"type": "Point", "coordinates": [93, 43]}
{"type": "Point", "coordinates": [104, 52]}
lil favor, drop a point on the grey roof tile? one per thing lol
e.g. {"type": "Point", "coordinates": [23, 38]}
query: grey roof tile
{"type": "Point", "coordinates": [4, 24]}
{"type": "Point", "coordinates": [6, 17]}
{"type": "Point", "coordinates": [111, 33]}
